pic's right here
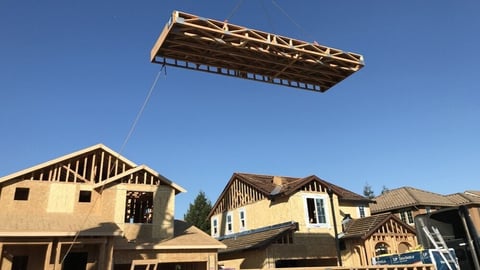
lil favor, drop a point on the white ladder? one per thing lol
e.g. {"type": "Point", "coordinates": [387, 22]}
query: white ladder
{"type": "Point", "coordinates": [436, 239]}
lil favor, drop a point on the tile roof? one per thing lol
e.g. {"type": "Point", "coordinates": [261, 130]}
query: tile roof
{"type": "Point", "coordinates": [364, 227]}
{"type": "Point", "coordinates": [266, 184]}
{"type": "Point", "coordinates": [468, 197]}
{"type": "Point", "coordinates": [256, 238]}
{"type": "Point", "coordinates": [406, 197]}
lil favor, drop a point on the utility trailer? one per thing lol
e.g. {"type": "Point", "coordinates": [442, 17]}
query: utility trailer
{"type": "Point", "coordinates": [458, 232]}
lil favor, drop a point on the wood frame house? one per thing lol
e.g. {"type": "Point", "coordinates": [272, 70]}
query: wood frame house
{"type": "Point", "coordinates": [471, 200]}
{"type": "Point", "coordinates": [408, 202]}
{"type": "Point", "coordinates": [95, 209]}
{"type": "Point", "coordinates": [270, 221]}
{"type": "Point", "coordinates": [376, 235]}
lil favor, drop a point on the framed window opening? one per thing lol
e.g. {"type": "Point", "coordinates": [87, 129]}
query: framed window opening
{"type": "Point", "coordinates": [85, 196]}
{"type": "Point", "coordinates": [243, 219]}
{"type": "Point", "coordinates": [361, 211]}
{"type": "Point", "coordinates": [21, 194]}
{"type": "Point", "coordinates": [215, 227]}
{"type": "Point", "coordinates": [316, 211]}
{"type": "Point", "coordinates": [229, 224]}
{"type": "Point", "coordinates": [139, 207]}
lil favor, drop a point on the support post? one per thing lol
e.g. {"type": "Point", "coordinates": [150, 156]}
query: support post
{"type": "Point", "coordinates": [337, 242]}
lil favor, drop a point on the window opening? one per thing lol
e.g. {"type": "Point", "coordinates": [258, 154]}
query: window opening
{"type": "Point", "coordinates": [229, 223]}
{"type": "Point", "coordinates": [21, 194]}
{"type": "Point", "coordinates": [361, 210]}
{"type": "Point", "coordinates": [215, 227]}
{"type": "Point", "coordinates": [19, 263]}
{"type": "Point", "coordinates": [139, 207]}
{"type": "Point", "coordinates": [381, 249]}
{"type": "Point", "coordinates": [316, 211]}
{"type": "Point", "coordinates": [243, 224]}
{"type": "Point", "coordinates": [85, 196]}
{"type": "Point", "coordinates": [410, 216]}
{"type": "Point", "coordinates": [75, 260]}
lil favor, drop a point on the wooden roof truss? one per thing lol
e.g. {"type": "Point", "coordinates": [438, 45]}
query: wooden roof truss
{"type": "Point", "coordinates": [197, 43]}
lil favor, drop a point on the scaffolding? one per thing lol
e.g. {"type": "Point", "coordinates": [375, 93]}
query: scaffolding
{"type": "Point", "coordinates": [197, 43]}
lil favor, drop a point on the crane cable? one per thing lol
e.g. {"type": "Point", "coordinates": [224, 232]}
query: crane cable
{"type": "Point", "coordinates": [127, 138]}
{"type": "Point", "coordinates": [304, 32]}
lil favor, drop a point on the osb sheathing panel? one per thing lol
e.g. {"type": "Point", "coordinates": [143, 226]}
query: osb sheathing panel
{"type": "Point", "coordinates": [163, 205]}
{"type": "Point", "coordinates": [166, 256]}
{"type": "Point", "coordinates": [47, 197]}
{"type": "Point", "coordinates": [280, 210]}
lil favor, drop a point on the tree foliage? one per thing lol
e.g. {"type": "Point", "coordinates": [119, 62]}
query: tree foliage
{"type": "Point", "coordinates": [368, 191]}
{"type": "Point", "coordinates": [197, 212]}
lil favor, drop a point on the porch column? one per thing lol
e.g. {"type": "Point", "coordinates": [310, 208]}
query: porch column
{"type": "Point", "coordinates": [48, 255]}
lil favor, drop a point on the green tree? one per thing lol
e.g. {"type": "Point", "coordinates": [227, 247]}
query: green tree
{"type": "Point", "coordinates": [197, 212]}
{"type": "Point", "coordinates": [368, 191]}
{"type": "Point", "coordinates": [384, 190]}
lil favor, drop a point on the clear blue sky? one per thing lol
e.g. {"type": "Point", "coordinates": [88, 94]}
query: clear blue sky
{"type": "Point", "coordinates": [76, 73]}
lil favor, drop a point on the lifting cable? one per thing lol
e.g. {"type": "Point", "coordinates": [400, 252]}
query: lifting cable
{"type": "Point", "coordinates": [234, 10]}
{"type": "Point", "coordinates": [127, 138]}
{"type": "Point", "coordinates": [292, 20]}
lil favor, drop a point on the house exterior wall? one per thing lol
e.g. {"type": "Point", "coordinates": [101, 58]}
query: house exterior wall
{"type": "Point", "coordinates": [353, 210]}
{"type": "Point", "coordinates": [266, 213]}
{"type": "Point", "coordinates": [46, 198]}
{"type": "Point", "coordinates": [312, 244]}
{"type": "Point", "coordinates": [96, 210]}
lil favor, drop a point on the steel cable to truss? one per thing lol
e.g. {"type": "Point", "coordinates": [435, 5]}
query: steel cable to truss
{"type": "Point", "coordinates": [127, 138]}
{"type": "Point", "coordinates": [292, 20]}
{"type": "Point", "coordinates": [234, 10]}
{"type": "Point", "coordinates": [140, 112]}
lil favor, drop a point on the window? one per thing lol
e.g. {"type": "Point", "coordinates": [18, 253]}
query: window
{"type": "Point", "coordinates": [381, 248]}
{"type": "Point", "coordinates": [139, 207]}
{"type": "Point", "coordinates": [85, 196]}
{"type": "Point", "coordinates": [361, 211]}
{"type": "Point", "coordinates": [410, 217]}
{"type": "Point", "coordinates": [229, 228]}
{"type": "Point", "coordinates": [243, 222]}
{"type": "Point", "coordinates": [406, 216]}
{"type": "Point", "coordinates": [428, 209]}
{"type": "Point", "coordinates": [315, 210]}
{"type": "Point", "coordinates": [215, 227]}
{"type": "Point", "coordinates": [21, 194]}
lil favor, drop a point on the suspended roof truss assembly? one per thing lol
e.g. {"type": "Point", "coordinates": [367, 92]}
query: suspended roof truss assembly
{"type": "Point", "coordinates": [202, 44]}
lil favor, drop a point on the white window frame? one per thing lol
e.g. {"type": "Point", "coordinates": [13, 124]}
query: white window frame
{"type": "Point", "coordinates": [326, 210]}
{"type": "Point", "coordinates": [242, 220]}
{"type": "Point", "coordinates": [214, 226]}
{"type": "Point", "coordinates": [229, 223]}
{"type": "Point", "coordinates": [407, 216]}
{"type": "Point", "coordinates": [361, 208]}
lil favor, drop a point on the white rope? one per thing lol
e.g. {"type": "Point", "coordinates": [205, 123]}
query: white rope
{"type": "Point", "coordinates": [127, 138]}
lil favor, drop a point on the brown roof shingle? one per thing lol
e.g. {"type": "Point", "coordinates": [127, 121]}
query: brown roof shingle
{"type": "Point", "coordinates": [468, 197]}
{"type": "Point", "coordinates": [266, 184]}
{"type": "Point", "coordinates": [364, 227]}
{"type": "Point", "coordinates": [406, 197]}
{"type": "Point", "coordinates": [256, 238]}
